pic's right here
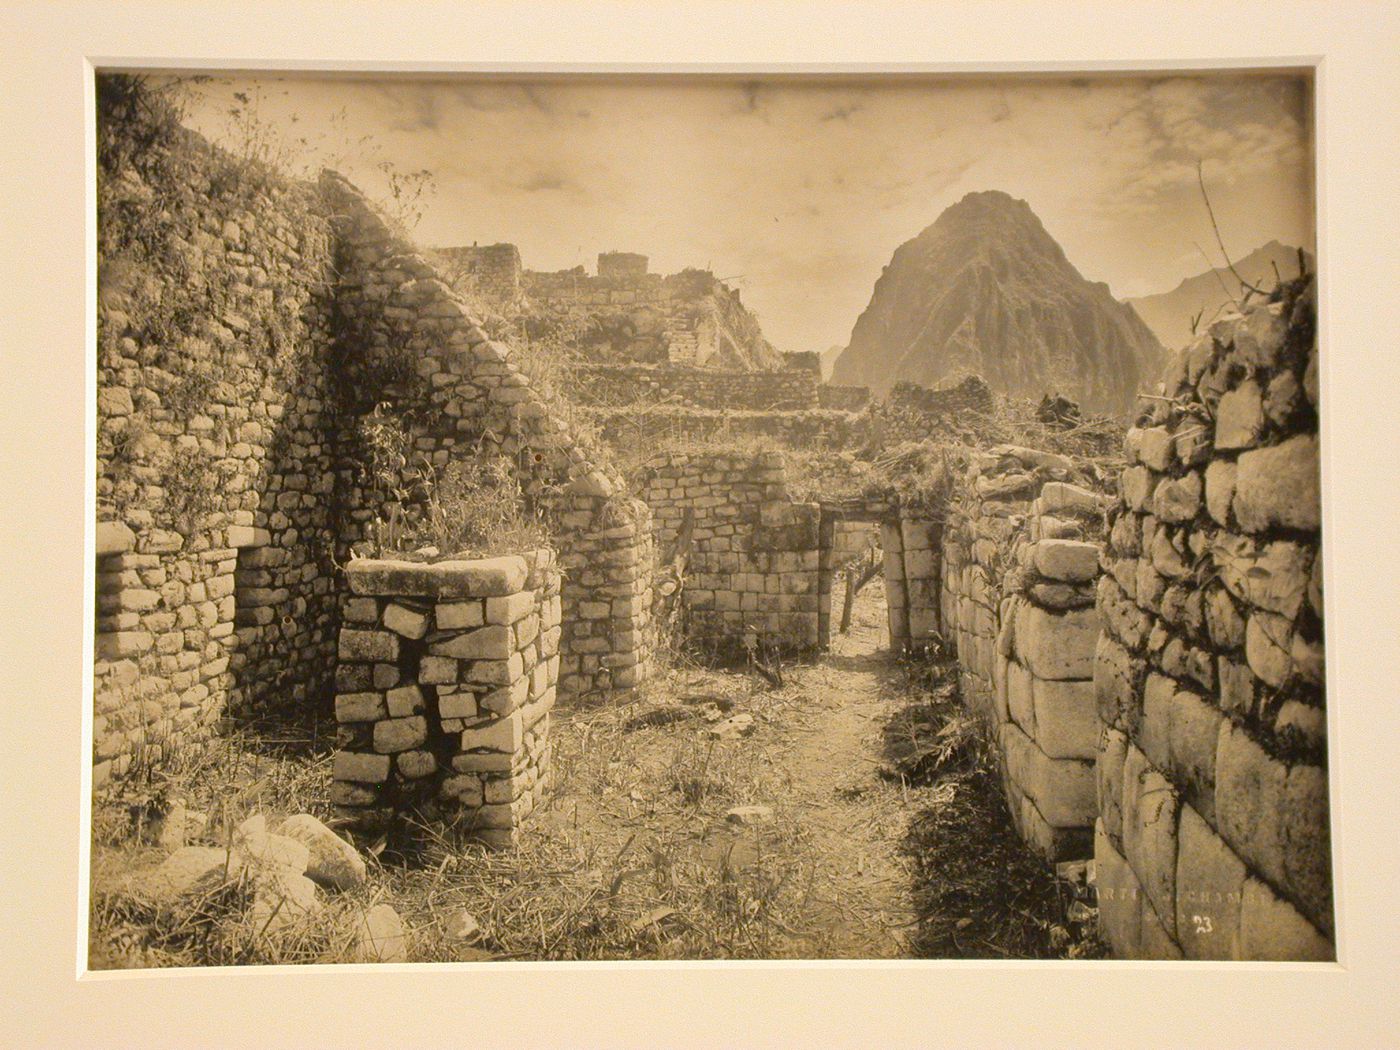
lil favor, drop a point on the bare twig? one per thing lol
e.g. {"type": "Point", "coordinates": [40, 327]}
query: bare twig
{"type": "Point", "coordinates": [1200, 178]}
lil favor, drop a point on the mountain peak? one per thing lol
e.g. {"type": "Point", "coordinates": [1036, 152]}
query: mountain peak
{"type": "Point", "coordinates": [986, 289]}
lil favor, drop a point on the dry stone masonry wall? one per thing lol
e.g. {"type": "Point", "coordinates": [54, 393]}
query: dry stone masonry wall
{"type": "Point", "coordinates": [1213, 841]}
{"type": "Point", "coordinates": [447, 675]}
{"type": "Point", "coordinates": [1020, 556]}
{"type": "Point", "coordinates": [756, 558]}
{"type": "Point", "coordinates": [782, 390]}
{"type": "Point", "coordinates": [460, 395]}
{"type": "Point", "coordinates": [216, 532]}
{"type": "Point", "coordinates": [247, 326]}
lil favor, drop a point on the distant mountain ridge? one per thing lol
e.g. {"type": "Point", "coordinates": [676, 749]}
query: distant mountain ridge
{"type": "Point", "coordinates": [1169, 314]}
{"type": "Point", "coordinates": [986, 289]}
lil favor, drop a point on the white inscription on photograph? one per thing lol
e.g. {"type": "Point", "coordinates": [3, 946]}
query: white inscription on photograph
{"type": "Point", "coordinates": [582, 517]}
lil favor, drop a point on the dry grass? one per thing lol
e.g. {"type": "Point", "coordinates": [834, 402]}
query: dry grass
{"type": "Point", "coordinates": [981, 893]}
{"type": "Point", "coordinates": [888, 837]}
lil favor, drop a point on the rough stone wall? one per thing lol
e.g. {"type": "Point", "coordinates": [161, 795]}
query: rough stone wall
{"type": "Point", "coordinates": [845, 398]}
{"type": "Point", "coordinates": [1213, 839]}
{"type": "Point", "coordinates": [912, 587]}
{"type": "Point", "coordinates": [689, 318]}
{"type": "Point", "coordinates": [631, 385]}
{"type": "Point", "coordinates": [446, 678]}
{"type": "Point", "coordinates": [971, 395]}
{"type": "Point", "coordinates": [756, 555]}
{"type": "Point", "coordinates": [625, 265]}
{"type": "Point", "coordinates": [409, 342]}
{"type": "Point", "coordinates": [491, 272]}
{"type": "Point", "coordinates": [1020, 556]}
{"type": "Point", "coordinates": [670, 425]}
{"type": "Point", "coordinates": [215, 575]}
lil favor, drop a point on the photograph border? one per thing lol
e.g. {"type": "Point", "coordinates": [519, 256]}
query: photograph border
{"type": "Point", "coordinates": [783, 991]}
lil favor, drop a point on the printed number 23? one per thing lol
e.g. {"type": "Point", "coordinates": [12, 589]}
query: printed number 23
{"type": "Point", "coordinates": [1203, 924]}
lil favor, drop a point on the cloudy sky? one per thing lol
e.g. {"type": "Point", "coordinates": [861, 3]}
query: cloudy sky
{"type": "Point", "coordinates": [800, 191]}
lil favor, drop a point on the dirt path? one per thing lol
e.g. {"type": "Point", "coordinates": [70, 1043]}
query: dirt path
{"type": "Point", "coordinates": [855, 819]}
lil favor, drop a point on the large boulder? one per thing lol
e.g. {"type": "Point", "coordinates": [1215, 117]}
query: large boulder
{"type": "Point", "coordinates": [333, 861]}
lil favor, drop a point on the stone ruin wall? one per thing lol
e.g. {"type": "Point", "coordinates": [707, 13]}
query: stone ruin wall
{"type": "Point", "coordinates": [972, 394]}
{"type": "Point", "coordinates": [215, 546]}
{"type": "Point", "coordinates": [1213, 836]}
{"type": "Point", "coordinates": [686, 318]}
{"type": "Point", "coordinates": [1020, 556]}
{"type": "Point", "coordinates": [466, 398]}
{"type": "Point", "coordinates": [1150, 664]}
{"type": "Point", "coordinates": [447, 675]}
{"type": "Point", "coordinates": [707, 388]}
{"type": "Point", "coordinates": [673, 425]}
{"type": "Point", "coordinates": [245, 328]}
{"type": "Point", "coordinates": [844, 398]}
{"type": "Point", "coordinates": [757, 557]}
{"type": "Point", "coordinates": [488, 272]}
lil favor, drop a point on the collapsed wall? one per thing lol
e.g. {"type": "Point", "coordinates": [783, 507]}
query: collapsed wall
{"type": "Point", "coordinates": [1019, 561]}
{"type": "Point", "coordinates": [1213, 837]}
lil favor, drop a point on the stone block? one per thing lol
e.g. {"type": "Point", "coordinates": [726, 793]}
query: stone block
{"type": "Point", "coordinates": [1178, 499]}
{"type": "Point", "coordinates": [1057, 645]}
{"type": "Point", "coordinates": [1268, 648]}
{"type": "Point", "coordinates": [386, 676]}
{"type": "Point", "coordinates": [1108, 770]}
{"type": "Point", "coordinates": [410, 623]}
{"type": "Point", "coordinates": [1239, 418]}
{"type": "Point", "coordinates": [1220, 490]}
{"type": "Point", "coordinates": [1063, 789]}
{"type": "Point", "coordinates": [503, 734]}
{"type": "Point", "coordinates": [1001, 670]}
{"type": "Point", "coordinates": [414, 765]}
{"type": "Point", "coordinates": [507, 609]}
{"type": "Point", "coordinates": [1060, 497]}
{"type": "Point", "coordinates": [437, 670]}
{"type": "Point", "coordinates": [1065, 718]}
{"type": "Point", "coordinates": [360, 610]}
{"type": "Point", "coordinates": [1116, 672]}
{"type": "Point", "coordinates": [1307, 856]}
{"type": "Point", "coordinates": [1279, 486]}
{"type": "Point", "coordinates": [359, 707]}
{"type": "Point", "coordinates": [1154, 730]}
{"type": "Point", "coordinates": [464, 790]}
{"type": "Point", "coordinates": [1150, 807]}
{"type": "Point", "coordinates": [400, 734]}
{"type": "Point", "coordinates": [482, 578]}
{"type": "Point", "coordinates": [461, 704]}
{"type": "Point", "coordinates": [368, 646]}
{"type": "Point", "coordinates": [405, 700]}
{"type": "Point", "coordinates": [452, 616]}
{"type": "Point", "coordinates": [1072, 561]}
{"type": "Point", "coordinates": [1156, 940]}
{"type": "Point", "coordinates": [1120, 898]}
{"type": "Point", "coordinates": [1249, 801]}
{"type": "Point", "coordinates": [113, 537]}
{"type": "Point", "coordinates": [1020, 697]}
{"type": "Point", "coordinates": [1272, 930]}
{"type": "Point", "coordinates": [493, 642]}
{"type": "Point", "coordinates": [360, 767]}
{"type": "Point", "coordinates": [1209, 891]}
{"type": "Point", "coordinates": [1194, 734]}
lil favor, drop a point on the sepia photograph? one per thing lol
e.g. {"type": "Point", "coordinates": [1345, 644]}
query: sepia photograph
{"type": "Point", "coordinates": [790, 516]}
